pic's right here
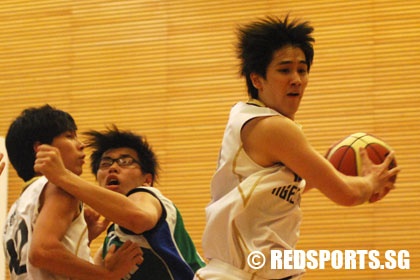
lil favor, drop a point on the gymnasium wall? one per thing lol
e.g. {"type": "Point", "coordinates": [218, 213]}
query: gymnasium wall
{"type": "Point", "coordinates": [167, 69]}
{"type": "Point", "coordinates": [3, 203]}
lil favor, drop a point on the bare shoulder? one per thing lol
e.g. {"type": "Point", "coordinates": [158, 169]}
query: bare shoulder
{"type": "Point", "coordinates": [148, 210]}
{"type": "Point", "coordinates": [57, 199]}
{"type": "Point", "coordinates": [146, 197]}
{"type": "Point", "coordinates": [266, 139]}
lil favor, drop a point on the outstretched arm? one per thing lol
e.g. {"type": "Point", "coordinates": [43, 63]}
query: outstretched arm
{"type": "Point", "coordinates": [276, 139]}
{"type": "Point", "coordinates": [138, 213]}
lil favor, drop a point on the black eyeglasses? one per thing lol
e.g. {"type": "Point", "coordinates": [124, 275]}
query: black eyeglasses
{"type": "Point", "coordinates": [123, 161]}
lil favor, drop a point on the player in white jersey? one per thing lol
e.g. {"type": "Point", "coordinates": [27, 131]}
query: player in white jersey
{"type": "Point", "coordinates": [45, 234]}
{"type": "Point", "coordinates": [257, 187]}
{"type": "Point", "coordinates": [253, 207]}
{"type": "Point", "coordinates": [20, 225]}
{"type": "Point", "coordinates": [124, 163]}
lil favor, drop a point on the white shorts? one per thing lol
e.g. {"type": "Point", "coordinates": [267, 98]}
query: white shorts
{"type": "Point", "coordinates": [218, 270]}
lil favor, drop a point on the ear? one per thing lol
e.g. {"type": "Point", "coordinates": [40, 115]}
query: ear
{"type": "Point", "coordinates": [148, 179]}
{"type": "Point", "coordinates": [256, 80]}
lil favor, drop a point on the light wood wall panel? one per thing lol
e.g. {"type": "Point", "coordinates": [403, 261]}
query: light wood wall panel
{"type": "Point", "coordinates": [167, 69]}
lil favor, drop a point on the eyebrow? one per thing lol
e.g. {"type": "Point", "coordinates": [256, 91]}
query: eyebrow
{"type": "Point", "coordinates": [120, 156]}
{"type": "Point", "coordinates": [284, 62]}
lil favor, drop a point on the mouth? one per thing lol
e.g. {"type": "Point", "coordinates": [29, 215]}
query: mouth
{"type": "Point", "coordinates": [112, 183]}
{"type": "Point", "coordinates": [293, 94]}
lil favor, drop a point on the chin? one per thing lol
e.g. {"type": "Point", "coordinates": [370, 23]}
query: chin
{"type": "Point", "coordinates": [78, 171]}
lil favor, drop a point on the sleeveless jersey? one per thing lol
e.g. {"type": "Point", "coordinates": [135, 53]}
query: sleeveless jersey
{"type": "Point", "coordinates": [253, 207]}
{"type": "Point", "coordinates": [18, 230]}
{"type": "Point", "coordinates": [168, 250]}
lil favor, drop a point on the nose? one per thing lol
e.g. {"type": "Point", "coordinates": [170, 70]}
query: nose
{"type": "Point", "coordinates": [81, 144]}
{"type": "Point", "coordinates": [114, 167]}
{"type": "Point", "coordinates": [296, 79]}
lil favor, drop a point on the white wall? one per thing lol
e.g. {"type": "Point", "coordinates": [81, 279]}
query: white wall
{"type": "Point", "coordinates": [3, 205]}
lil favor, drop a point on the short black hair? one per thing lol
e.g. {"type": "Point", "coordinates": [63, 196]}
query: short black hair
{"type": "Point", "coordinates": [114, 138]}
{"type": "Point", "coordinates": [34, 124]}
{"type": "Point", "coordinates": [259, 40]}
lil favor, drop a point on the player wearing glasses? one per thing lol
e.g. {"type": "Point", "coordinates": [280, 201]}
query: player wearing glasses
{"type": "Point", "coordinates": [125, 163]}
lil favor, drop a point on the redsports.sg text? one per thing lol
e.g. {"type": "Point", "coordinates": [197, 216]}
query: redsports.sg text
{"type": "Point", "coordinates": [336, 259]}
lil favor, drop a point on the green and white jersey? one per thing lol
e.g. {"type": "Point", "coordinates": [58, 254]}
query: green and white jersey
{"type": "Point", "coordinates": [168, 250]}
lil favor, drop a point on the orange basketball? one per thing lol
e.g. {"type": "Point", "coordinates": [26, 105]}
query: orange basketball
{"type": "Point", "coordinates": [345, 157]}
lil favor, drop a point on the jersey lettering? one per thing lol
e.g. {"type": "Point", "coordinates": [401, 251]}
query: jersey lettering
{"type": "Point", "coordinates": [286, 192]}
{"type": "Point", "coordinates": [14, 249]}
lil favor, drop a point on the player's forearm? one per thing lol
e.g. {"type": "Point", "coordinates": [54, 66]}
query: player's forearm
{"type": "Point", "coordinates": [112, 205]}
{"type": "Point", "coordinates": [358, 190]}
{"type": "Point", "coordinates": [341, 189]}
{"type": "Point", "coordinates": [362, 189]}
{"type": "Point", "coordinates": [59, 261]}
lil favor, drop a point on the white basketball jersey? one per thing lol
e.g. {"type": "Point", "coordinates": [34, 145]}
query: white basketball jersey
{"type": "Point", "coordinates": [252, 207]}
{"type": "Point", "coordinates": [18, 235]}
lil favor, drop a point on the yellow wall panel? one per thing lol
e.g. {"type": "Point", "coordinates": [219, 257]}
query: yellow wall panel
{"type": "Point", "coordinates": [168, 69]}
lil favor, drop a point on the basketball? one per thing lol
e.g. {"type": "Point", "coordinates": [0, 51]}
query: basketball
{"type": "Point", "coordinates": [345, 157]}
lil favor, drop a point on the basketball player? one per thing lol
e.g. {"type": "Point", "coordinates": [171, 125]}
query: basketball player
{"type": "Point", "coordinates": [266, 162]}
{"type": "Point", "coordinates": [125, 163]}
{"type": "Point", "coordinates": [45, 235]}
